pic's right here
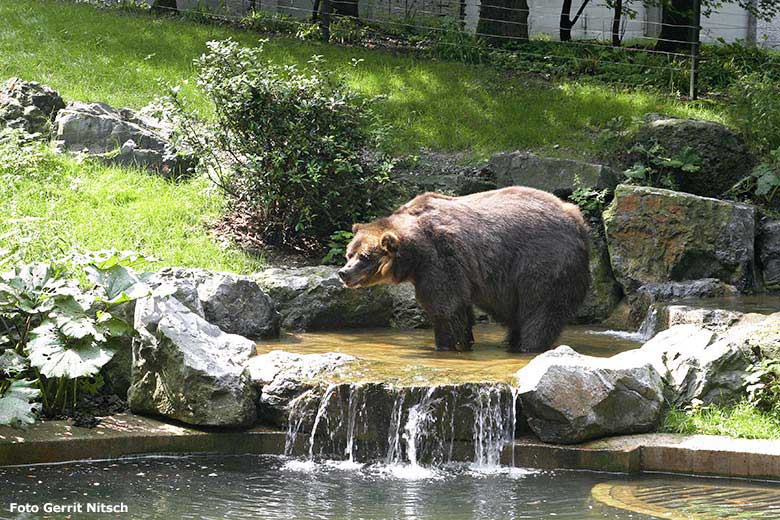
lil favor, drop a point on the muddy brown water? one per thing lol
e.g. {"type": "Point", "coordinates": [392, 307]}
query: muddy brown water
{"type": "Point", "coordinates": [409, 356]}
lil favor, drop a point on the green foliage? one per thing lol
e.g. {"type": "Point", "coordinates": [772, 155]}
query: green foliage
{"type": "Point", "coordinates": [756, 109]}
{"type": "Point", "coordinates": [347, 30]}
{"type": "Point", "coordinates": [742, 420]}
{"type": "Point", "coordinates": [762, 186]}
{"type": "Point", "coordinates": [659, 169]}
{"type": "Point", "coordinates": [55, 330]}
{"type": "Point", "coordinates": [272, 23]}
{"type": "Point", "coordinates": [763, 385]}
{"type": "Point", "coordinates": [446, 39]}
{"type": "Point", "coordinates": [299, 140]}
{"type": "Point", "coordinates": [591, 201]}
{"type": "Point", "coordinates": [337, 247]}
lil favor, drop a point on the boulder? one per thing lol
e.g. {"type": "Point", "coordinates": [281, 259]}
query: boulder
{"type": "Point", "coordinates": [769, 253]}
{"type": "Point", "coordinates": [652, 293]}
{"type": "Point", "coordinates": [187, 369]}
{"type": "Point", "coordinates": [725, 159]}
{"type": "Point", "coordinates": [699, 364]}
{"type": "Point", "coordinates": [444, 173]}
{"type": "Point", "coordinates": [605, 292]}
{"type": "Point", "coordinates": [234, 303]}
{"type": "Point", "coordinates": [313, 298]}
{"type": "Point", "coordinates": [281, 377]}
{"type": "Point", "coordinates": [657, 236]}
{"type": "Point", "coordinates": [120, 136]}
{"type": "Point", "coordinates": [28, 106]}
{"type": "Point", "coordinates": [558, 176]}
{"type": "Point", "coordinates": [569, 398]}
{"type": "Point", "coordinates": [407, 313]}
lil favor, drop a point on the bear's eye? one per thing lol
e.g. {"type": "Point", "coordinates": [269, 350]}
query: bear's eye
{"type": "Point", "coordinates": [365, 257]}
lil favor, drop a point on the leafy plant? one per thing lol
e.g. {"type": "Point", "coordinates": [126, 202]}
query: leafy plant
{"type": "Point", "coordinates": [660, 170]}
{"type": "Point", "coordinates": [56, 330]}
{"type": "Point", "coordinates": [757, 110]}
{"type": "Point", "coordinates": [296, 147]}
{"type": "Point", "coordinates": [337, 247]}
{"type": "Point", "coordinates": [762, 186]}
{"type": "Point", "coordinates": [763, 385]}
{"type": "Point", "coordinates": [447, 40]}
{"type": "Point", "coordinates": [347, 30]}
{"type": "Point", "coordinates": [591, 201]}
{"type": "Point", "coordinates": [274, 23]}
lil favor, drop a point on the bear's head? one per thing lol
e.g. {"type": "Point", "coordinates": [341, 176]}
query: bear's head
{"type": "Point", "coordinates": [370, 255]}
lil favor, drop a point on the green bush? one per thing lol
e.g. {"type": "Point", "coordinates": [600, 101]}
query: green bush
{"type": "Point", "coordinates": [657, 168]}
{"type": "Point", "coordinates": [296, 148]}
{"type": "Point", "coordinates": [762, 186]}
{"type": "Point", "coordinates": [347, 30]}
{"type": "Point", "coordinates": [274, 23]}
{"type": "Point", "coordinates": [446, 39]}
{"type": "Point", "coordinates": [57, 332]}
{"type": "Point", "coordinates": [756, 105]}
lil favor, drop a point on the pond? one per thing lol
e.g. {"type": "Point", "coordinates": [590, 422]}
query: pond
{"type": "Point", "coordinates": [408, 356]}
{"type": "Point", "coordinates": [268, 487]}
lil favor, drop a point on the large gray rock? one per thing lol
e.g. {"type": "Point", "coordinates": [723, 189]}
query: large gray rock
{"type": "Point", "coordinates": [657, 236]}
{"type": "Point", "coordinates": [699, 364]}
{"type": "Point", "coordinates": [120, 136]}
{"type": "Point", "coordinates": [283, 376]}
{"type": "Point", "coordinates": [725, 159]}
{"type": "Point", "coordinates": [313, 298]}
{"type": "Point", "coordinates": [769, 253]}
{"type": "Point", "coordinates": [187, 369]}
{"type": "Point", "coordinates": [407, 313]}
{"type": "Point", "coordinates": [234, 303]}
{"type": "Point", "coordinates": [570, 398]}
{"type": "Point", "coordinates": [28, 106]}
{"type": "Point", "coordinates": [605, 292]}
{"type": "Point", "coordinates": [558, 176]}
{"type": "Point", "coordinates": [653, 293]}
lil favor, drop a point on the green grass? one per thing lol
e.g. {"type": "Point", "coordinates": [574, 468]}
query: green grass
{"type": "Point", "coordinates": [125, 59]}
{"type": "Point", "coordinates": [94, 55]}
{"type": "Point", "coordinates": [58, 205]}
{"type": "Point", "coordinates": [742, 420]}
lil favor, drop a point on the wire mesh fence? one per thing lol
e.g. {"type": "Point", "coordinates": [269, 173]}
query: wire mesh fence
{"type": "Point", "coordinates": [656, 39]}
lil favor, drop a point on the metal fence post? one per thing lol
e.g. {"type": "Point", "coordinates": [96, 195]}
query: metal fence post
{"type": "Point", "coordinates": [325, 20]}
{"type": "Point", "coordinates": [695, 47]}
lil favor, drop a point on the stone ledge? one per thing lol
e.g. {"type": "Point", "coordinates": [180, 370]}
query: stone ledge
{"type": "Point", "coordinates": [126, 434]}
{"type": "Point", "coordinates": [708, 455]}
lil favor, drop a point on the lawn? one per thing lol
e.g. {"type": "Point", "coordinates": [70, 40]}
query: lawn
{"type": "Point", "coordinates": [121, 59]}
{"type": "Point", "coordinates": [125, 59]}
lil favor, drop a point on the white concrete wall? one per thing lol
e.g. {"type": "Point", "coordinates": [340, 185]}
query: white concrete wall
{"type": "Point", "coordinates": [768, 33]}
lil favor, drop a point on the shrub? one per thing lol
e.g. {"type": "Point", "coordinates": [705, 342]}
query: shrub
{"type": "Point", "coordinates": [756, 105]}
{"type": "Point", "coordinates": [274, 23]}
{"type": "Point", "coordinates": [762, 186]}
{"type": "Point", "coordinates": [293, 146]}
{"type": "Point", "coordinates": [447, 40]}
{"type": "Point", "coordinates": [56, 332]}
{"type": "Point", "coordinates": [347, 30]}
{"type": "Point", "coordinates": [658, 169]}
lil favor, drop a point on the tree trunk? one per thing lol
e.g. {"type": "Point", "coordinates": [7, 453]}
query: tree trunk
{"type": "Point", "coordinates": [566, 23]}
{"type": "Point", "coordinates": [676, 19]}
{"type": "Point", "coordinates": [344, 8]}
{"type": "Point", "coordinates": [616, 39]}
{"type": "Point", "coordinates": [502, 21]}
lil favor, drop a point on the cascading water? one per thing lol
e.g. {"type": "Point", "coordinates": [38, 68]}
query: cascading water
{"type": "Point", "coordinates": [407, 427]}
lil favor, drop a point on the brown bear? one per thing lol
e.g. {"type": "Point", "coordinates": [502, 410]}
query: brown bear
{"type": "Point", "coordinates": [520, 254]}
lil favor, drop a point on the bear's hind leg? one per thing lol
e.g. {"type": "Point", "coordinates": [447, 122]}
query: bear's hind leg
{"type": "Point", "coordinates": [539, 330]}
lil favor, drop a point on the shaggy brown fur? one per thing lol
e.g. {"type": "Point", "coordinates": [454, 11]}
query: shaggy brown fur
{"type": "Point", "coordinates": [519, 254]}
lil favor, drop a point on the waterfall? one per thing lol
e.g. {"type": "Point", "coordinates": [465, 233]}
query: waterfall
{"type": "Point", "coordinates": [406, 427]}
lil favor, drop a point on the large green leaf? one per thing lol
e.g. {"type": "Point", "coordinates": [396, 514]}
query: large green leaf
{"type": "Point", "coordinates": [120, 283]}
{"type": "Point", "coordinates": [54, 357]}
{"type": "Point", "coordinates": [12, 363]}
{"type": "Point", "coordinates": [16, 405]}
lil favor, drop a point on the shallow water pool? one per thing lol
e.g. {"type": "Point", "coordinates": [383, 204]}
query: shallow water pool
{"type": "Point", "coordinates": [266, 487]}
{"type": "Point", "coordinates": [409, 356]}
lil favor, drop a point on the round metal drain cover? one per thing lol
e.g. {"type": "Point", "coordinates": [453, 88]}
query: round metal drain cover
{"type": "Point", "coordinates": [689, 501]}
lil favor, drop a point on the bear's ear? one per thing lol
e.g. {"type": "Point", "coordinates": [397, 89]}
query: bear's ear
{"type": "Point", "coordinates": [356, 227]}
{"type": "Point", "coordinates": [389, 242]}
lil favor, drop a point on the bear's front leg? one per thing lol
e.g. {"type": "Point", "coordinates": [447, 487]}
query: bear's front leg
{"type": "Point", "coordinates": [454, 331]}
